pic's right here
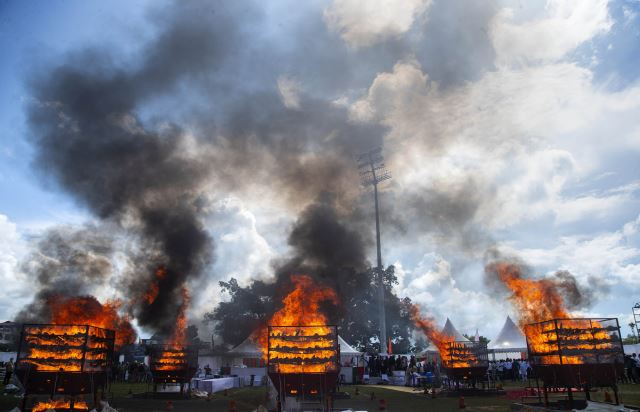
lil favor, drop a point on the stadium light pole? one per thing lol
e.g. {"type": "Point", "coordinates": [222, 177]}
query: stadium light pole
{"type": "Point", "coordinates": [372, 172]}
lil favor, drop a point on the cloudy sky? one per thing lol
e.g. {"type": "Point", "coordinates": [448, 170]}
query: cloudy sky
{"type": "Point", "coordinates": [505, 124]}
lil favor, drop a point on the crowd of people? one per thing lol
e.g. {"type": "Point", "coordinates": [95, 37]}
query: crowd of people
{"type": "Point", "coordinates": [132, 372]}
{"type": "Point", "coordinates": [510, 369]}
{"type": "Point", "coordinates": [631, 369]}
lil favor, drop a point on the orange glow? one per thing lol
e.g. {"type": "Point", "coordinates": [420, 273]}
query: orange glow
{"type": "Point", "coordinates": [152, 294]}
{"type": "Point", "coordinates": [310, 348]}
{"type": "Point", "coordinates": [61, 348]}
{"type": "Point", "coordinates": [86, 310]}
{"type": "Point", "coordinates": [538, 300]}
{"type": "Point", "coordinates": [453, 354]}
{"type": "Point", "coordinates": [59, 404]}
{"type": "Point", "coordinates": [174, 356]}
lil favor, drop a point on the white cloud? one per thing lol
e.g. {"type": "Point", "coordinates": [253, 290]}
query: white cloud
{"type": "Point", "coordinates": [241, 251]}
{"type": "Point", "coordinates": [289, 89]}
{"type": "Point", "coordinates": [365, 22]}
{"type": "Point", "coordinates": [432, 286]}
{"type": "Point", "coordinates": [564, 26]}
{"type": "Point", "coordinates": [611, 255]}
{"type": "Point", "coordinates": [14, 286]}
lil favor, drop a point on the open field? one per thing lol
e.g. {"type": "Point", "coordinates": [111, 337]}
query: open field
{"type": "Point", "coordinates": [399, 399]}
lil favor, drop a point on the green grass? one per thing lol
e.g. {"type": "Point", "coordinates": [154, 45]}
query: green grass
{"type": "Point", "coordinates": [247, 399]}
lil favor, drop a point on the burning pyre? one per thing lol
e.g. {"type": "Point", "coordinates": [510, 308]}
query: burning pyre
{"type": "Point", "coordinates": [297, 338]}
{"type": "Point", "coordinates": [553, 336]}
{"type": "Point", "coordinates": [300, 347]}
{"type": "Point", "coordinates": [454, 354]}
{"type": "Point", "coordinates": [174, 362]}
{"type": "Point", "coordinates": [65, 348]}
{"type": "Point", "coordinates": [564, 351]}
{"type": "Point", "coordinates": [60, 404]}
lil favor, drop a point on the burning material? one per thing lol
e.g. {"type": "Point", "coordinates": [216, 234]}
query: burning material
{"type": "Point", "coordinates": [564, 351]}
{"type": "Point", "coordinates": [301, 308]}
{"type": "Point", "coordinates": [60, 404]}
{"type": "Point", "coordinates": [175, 362]}
{"type": "Point", "coordinates": [454, 354]}
{"type": "Point", "coordinates": [65, 348]}
{"type": "Point", "coordinates": [86, 310]}
{"type": "Point", "coordinates": [552, 335]}
{"type": "Point", "coordinates": [64, 360]}
{"type": "Point", "coordinates": [301, 350]}
{"type": "Point", "coordinates": [575, 341]}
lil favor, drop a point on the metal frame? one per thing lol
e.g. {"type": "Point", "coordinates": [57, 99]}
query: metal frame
{"type": "Point", "coordinates": [62, 382]}
{"type": "Point", "coordinates": [636, 319]}
{"type": "Point", "coordinates": [593, 372]}
{"type": "Point", "coordinates": [313, 385]}
{"type": "Point", "coordinates": [180, 375]}
{"type": "Point", "coordinates": [372, 172]}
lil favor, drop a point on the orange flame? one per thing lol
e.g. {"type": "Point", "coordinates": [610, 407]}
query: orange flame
{"type": "Point", "coordinates": [154, 288]}
{"type": "Point", "coordinates": [86, 310]}
{"type": "Point", "coordinates": [59, 404]}
{"type": "Point", "coordinates": [311, 348]}
{"type": "Point", "coordinates": [175, 357]}
{"type": "Point", "coordinates": [453, 355]}
{"type": "Point", "coordinates": [539, 300]}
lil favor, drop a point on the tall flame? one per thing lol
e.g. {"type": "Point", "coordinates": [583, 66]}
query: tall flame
{"type": "Point", "coordinates": [308, 349]}
{"type": "Point", "coordinates": [539, 300]}
{"type": "Point", "coordinates": [536, 300]}
{"type": "Point", "coordinates": [450, 351]}
{"type": "Point", "coordinates": [87, 310]}
{"type": "Point", "coordinates": [174, 356]}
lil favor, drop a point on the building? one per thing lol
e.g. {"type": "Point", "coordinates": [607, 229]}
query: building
{"type": "Point", "coordinates": [9, 334]}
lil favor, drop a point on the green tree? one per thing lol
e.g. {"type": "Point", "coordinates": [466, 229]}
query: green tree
{"type": "Point", "coordinates": [356, 317]}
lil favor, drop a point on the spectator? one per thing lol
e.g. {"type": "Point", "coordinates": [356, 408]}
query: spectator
{"type": "Point", "coordinates": [8, 371]}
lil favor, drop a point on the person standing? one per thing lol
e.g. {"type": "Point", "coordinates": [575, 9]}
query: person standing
{"type": "Point", "coordinates": [8, 371]}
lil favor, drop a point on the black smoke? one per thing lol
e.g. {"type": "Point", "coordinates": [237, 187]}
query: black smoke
{"type": "Point", "coordinates": [145, 141]}
{"type": "Point", "coordinates": [66, 261]}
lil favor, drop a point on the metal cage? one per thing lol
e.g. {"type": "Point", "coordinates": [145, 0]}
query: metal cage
{"type": "Point", "coordinates": [64, 360]}
{"type": "Point", "coordinates": [576, 352]}
{"type": "Point", "coordinates": [465, 359]}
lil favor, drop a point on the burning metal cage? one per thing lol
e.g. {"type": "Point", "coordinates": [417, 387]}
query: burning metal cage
{"type": "Point", "coordinates": [172, 364]}
{"type": "Point", "coordinates": [65, 360]}
{"type": "Point", "coordinates": [465, 359]}
{"type": "Point", "coordinates": [303, 360]}
{"type": "Point", "coordinates": [576, 352]}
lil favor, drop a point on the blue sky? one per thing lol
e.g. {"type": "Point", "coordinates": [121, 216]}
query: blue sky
{"type": "Point", "coordinates": [535, 106]}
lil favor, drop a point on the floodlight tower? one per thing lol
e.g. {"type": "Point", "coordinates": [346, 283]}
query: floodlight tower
{"type": "Point", "coordinates": [372, 172]}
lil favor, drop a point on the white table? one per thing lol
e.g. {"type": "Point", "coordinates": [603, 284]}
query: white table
{"type": "Point", "coordinates": [217, 385]}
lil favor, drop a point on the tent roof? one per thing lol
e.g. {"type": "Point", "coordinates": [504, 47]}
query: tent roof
{"type": "Point", "coordinates": [345, 348]}
{"type": "Point", "coordinates": [450, 330]}
{"type": "Point", "coordinates": [247, 347]}
{"type": "Point", "coordinates": [510, 336]}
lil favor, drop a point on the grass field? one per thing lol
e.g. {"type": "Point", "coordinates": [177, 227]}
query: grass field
{"type": "Point", "coordinates": [398, 399]}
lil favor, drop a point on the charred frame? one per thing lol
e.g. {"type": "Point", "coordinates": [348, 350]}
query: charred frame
{"type": "Point", "coordinates": [69, 360]}
{"type": "Point", "coordinates": [466, 360]}
{"type": "Point", "coordinates": [576, 352]}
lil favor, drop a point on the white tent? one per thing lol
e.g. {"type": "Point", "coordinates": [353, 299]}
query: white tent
{"type": "Point", "coordinates": [510, 337]}
{"type": "Point", "coordinates": [450, 330]}
{"type": "Point", "coordinates": [346, 349]}
{"type": "Point", "coordinates": [248, 348]}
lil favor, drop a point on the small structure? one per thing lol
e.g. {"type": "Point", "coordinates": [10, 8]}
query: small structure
{"type": "Point", "coordinates": [576, 353]}
{"type": "Point", "coordinates": [64, 362]}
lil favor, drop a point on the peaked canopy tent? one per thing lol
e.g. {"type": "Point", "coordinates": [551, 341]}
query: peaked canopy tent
{"type": "Point", "coordinates": [510, 342]}
{"type": "Point", "coordinates": [431, 352]}
{"type": "Point", "coordinates": [450, 330]}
